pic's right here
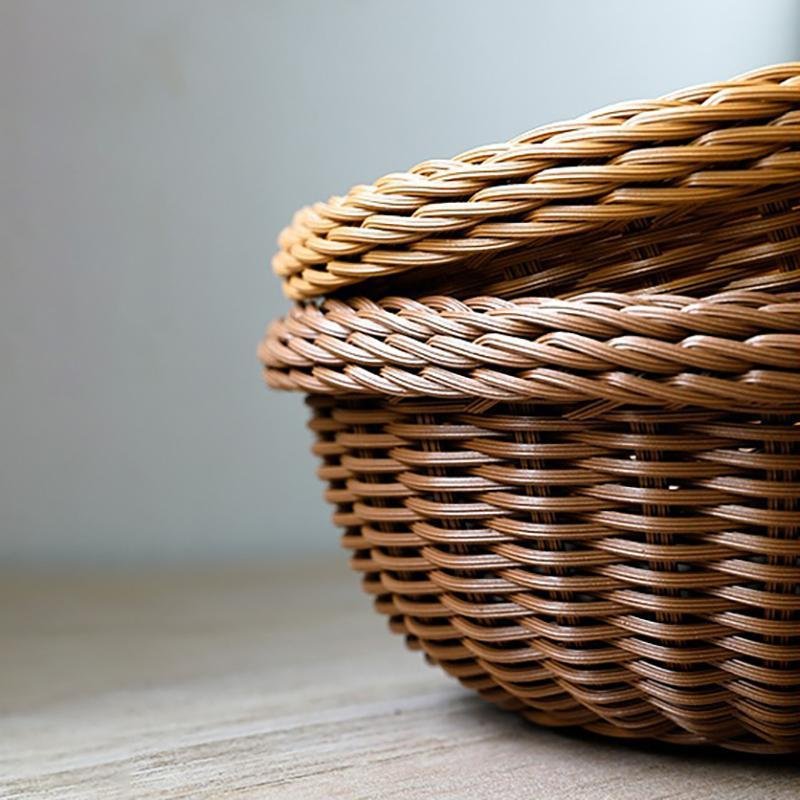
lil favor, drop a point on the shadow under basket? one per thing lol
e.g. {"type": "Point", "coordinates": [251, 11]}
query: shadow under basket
{"type": "Point", "coordinates": [555, 387]}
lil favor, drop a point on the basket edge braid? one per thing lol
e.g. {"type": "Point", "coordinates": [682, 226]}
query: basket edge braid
{"type": "Point", "coordinates": [732, 350]}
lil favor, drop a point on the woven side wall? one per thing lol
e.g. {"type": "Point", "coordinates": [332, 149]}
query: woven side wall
{"type": "Point", "coordinates": [635, 573]}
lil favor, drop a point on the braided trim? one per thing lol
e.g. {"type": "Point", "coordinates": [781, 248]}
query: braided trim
{"type": "Point", "coordinates": [650, 157]}
{"type": "Point", "coordinates": [731, 350]}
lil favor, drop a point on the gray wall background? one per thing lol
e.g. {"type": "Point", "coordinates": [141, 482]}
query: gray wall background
{"type": "Point", "coordinates": [151, 150]}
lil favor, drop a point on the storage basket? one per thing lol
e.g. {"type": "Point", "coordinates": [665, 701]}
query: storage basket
{"type": "Point", "coordinates": [555, 385]}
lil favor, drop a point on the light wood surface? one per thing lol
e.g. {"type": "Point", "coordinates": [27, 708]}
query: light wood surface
{"type": "Point", "coordinates": [280, 682]}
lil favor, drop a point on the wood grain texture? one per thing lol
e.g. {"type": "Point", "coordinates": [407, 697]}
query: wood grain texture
{"type": "Point", "coordinates": [279, 682]}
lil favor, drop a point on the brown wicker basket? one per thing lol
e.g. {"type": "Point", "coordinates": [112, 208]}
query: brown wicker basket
{"type": "Point", "coordinates": [555, 385]}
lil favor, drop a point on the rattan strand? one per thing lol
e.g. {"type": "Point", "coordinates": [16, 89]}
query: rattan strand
{"type": "Point", "coordinates": [569, 468]}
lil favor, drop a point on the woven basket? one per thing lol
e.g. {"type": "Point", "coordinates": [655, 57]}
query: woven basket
{"type": "Point", "coordinates": [555, 385]}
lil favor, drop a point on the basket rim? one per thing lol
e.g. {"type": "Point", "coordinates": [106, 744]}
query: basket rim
{"type": "Point", "coordinates": [732, 350]}
{"type": "Point", "coordinates": [613, 166]}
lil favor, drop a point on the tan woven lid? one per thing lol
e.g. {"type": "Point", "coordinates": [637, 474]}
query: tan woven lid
{"type": "Point", "coordinates": [634, 161]}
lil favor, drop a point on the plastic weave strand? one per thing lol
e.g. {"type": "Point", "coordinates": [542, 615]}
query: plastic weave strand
{"type": "Point", "coordinates": [559, 423]}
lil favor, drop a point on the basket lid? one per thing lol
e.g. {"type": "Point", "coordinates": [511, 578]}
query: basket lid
{"type": "Point", "coordinates": [640, 160]}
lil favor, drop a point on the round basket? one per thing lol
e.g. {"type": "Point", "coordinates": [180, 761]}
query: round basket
{"type": "Point", "coordinates": [555, 386]}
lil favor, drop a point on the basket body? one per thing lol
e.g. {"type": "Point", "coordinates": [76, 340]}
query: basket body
{"type": "Point", "coordinates": [556, 390]}
{"type": "Point", "coordinates": [635, 574]}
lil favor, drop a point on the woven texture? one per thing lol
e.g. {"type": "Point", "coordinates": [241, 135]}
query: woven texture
{"type": "Point", "coordinates": [726, 351]}
{"type": "Point", "coordinates": [555, 386]}
{"type": "Point", "coordinates": [684, 155]}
